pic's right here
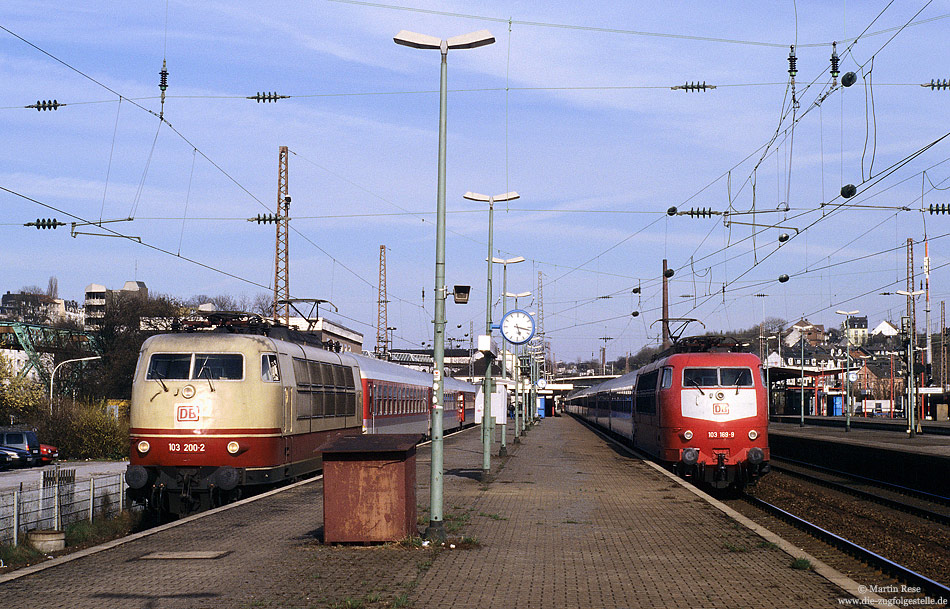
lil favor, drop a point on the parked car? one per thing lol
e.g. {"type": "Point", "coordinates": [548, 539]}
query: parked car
{"type": "Point", "coordinates": [24, 439]}
{"type": "Point", "coordinates": [48, 454]}
{"type": "Point", "coordinates": [13, 457]}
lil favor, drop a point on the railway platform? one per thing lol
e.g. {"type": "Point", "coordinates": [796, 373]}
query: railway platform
{"type": "Point", "coordinates": [565, 520]}
{"type": "Point", "coordinates": [921, 462]}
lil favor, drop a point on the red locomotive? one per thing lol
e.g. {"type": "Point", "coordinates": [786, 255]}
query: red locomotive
{"type": "Point", "coordinates": [700, 408]}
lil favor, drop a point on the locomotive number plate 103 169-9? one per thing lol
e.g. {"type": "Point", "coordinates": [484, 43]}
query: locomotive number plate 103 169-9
{"type": "Point", "coordinates": [186, 447]}
{"type": "Point", "coordinates": [722, 434]}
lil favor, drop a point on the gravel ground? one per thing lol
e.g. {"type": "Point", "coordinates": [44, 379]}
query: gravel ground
{"type": "Point", "coordinates": [920, 545]}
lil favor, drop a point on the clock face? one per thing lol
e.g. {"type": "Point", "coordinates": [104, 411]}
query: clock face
{"type": "Point", "coordinates": [517, 327]}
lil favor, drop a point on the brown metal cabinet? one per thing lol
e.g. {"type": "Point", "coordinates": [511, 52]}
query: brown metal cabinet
{"type": "Point", "coordinates": [369, 488]}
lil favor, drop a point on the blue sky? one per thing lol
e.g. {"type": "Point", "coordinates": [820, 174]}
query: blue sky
{"type": "Point", "coordinates": [571, 107]}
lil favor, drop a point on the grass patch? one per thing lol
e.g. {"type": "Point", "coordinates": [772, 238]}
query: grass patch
{"type": "Point", "coordinates": [734, 548]}
{"type": "Point", "coordinates": [21, 555]}
{"type": "Point", "coordinates": [455, 522]}
{"type": "Point", "coordinates": [767, 545]}
{"type": "Point", "coordinates": [100, 530]}
{"type": "Point", "coordinates": [410, 543]}
{"type": "Point", "coordinates": [79, 535]}
{"type": "Point", "coordinates": [802, 564]}
{"type": "Point", "coordinates": [492, 516]}
{"type": "Point", "coordinates": [401, 600]}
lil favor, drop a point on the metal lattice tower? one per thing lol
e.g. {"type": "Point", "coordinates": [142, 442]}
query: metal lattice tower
{"type": "Point", "coordinates": [382, 322]}
{"type": "Point", "coordinates": [282, 253]}
{"type": "Point", "coordinates": [911, 309]}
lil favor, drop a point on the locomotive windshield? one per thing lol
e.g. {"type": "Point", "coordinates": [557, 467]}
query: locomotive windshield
{"type": "Point", "coordinates": [717, 377]}
{"type": "Point", "coordinates": [184, 366]}
{"type": "Point", "coordinates": [167, 366]}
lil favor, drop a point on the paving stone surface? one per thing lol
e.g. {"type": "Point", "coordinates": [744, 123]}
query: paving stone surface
{"type": "Point", "coordinates": [567, 521]}
{"type": "Point", "coordinates": [564, 521]}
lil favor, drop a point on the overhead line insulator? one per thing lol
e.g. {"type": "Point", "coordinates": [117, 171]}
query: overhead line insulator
{"type": "Point", "coordinates": [941, 208]}
{"type": "Point", "coordinates": [699, 212]}
{"type": "Point", "coordinates": [267, 97]}
{"type": "Point", "coordinates": [48, 104]}
{"type": "Point", "coordinates": [693, 86]}
{"type": "Point", "coordinates": [937, 85]}
{"type": "Point", "coordinates": [45, 223]}
{"type": "Point", "coordinates": [264, 219]}
{"type": "Point", "coordinates": [835, 63]}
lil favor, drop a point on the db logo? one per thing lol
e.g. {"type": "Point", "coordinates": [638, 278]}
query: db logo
{"type": "Point", "coordinates": [718, 408]}
{"type": "Point", "coordinates": [187, 413]}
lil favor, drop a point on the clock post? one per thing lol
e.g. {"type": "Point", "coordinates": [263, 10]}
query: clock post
{"type": "Point", "coordinates": [487, 388]}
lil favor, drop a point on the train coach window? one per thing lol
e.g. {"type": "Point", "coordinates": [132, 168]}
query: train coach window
{"type": "Point", "coordinates": [700, 377]}
{"type": "Point", "coordinates": [736, 377]}
{"type": "Point", "coordinates": [169, 366]}
{"type": "Point", "coordinates": [225, 366]}
{"type": "Point", "coordinates": [269, 368]}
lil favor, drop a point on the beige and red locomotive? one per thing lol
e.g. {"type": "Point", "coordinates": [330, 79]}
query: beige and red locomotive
{"type": "Point", "coordinates": [214, 414]}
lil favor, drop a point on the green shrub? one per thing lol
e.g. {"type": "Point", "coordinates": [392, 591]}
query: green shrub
{"type": "Point", "coordinates": [85, 431]}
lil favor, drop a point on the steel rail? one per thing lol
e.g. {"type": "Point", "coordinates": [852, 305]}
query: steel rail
{"type": "Point", "coordinates": [866, 495]}
{"type": "Point", "coordinates": [931, 587]}
{"type": "Point", "coordinates": [897, 488]}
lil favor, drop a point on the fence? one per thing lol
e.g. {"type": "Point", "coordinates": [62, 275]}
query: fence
{"type": "Point", "coordinates": [58, 502]}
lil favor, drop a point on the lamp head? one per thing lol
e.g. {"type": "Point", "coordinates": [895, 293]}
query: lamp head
{"type": "Point", "coordinates": [417, 41]}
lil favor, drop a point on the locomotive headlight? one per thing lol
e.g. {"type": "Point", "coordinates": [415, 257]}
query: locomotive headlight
{"type": "Point", "coordinates": [233, 447]}
{"type": "Point", "coordinates": [143, 447]}
{"type": "Point", "coordinates": [753, 434]}
{"type": "Point", "coordinates": [688, 434]}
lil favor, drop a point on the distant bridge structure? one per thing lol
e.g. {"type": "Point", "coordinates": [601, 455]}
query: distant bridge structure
{"type": "Point", "coordinates": [35, 339]}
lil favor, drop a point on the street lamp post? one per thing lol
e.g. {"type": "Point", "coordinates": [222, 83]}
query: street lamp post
{"type": "Point", "coordinates": [487, 382]}
{"type": "Point", "coordinates": [911, 356]}
{"type": "Point", "coordinates": [52, 376]}
{"type": "Point", "coordinates": [504, 348]}
{"type": "Point", "coordinates": [847, 378]}
{"type": "Point", "coordinates": [801, 331]}
{"type": "Point", "coordinates": [436, 528]}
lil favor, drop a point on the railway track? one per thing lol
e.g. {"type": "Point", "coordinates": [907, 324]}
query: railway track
{"type": "Point", "coordinates": [902, 573]}
{"type": "Point", "coordinates": [908, 500]}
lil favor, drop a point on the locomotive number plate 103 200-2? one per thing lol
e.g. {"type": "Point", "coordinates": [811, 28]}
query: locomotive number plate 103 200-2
{"type": "Point", "coordinates": [186, 447]}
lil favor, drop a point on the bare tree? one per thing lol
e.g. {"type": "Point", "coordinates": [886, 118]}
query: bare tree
{"type": "Point", "coordinates": [262, 304]}
{"type": "Point", "coordinates": [52, 289]}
